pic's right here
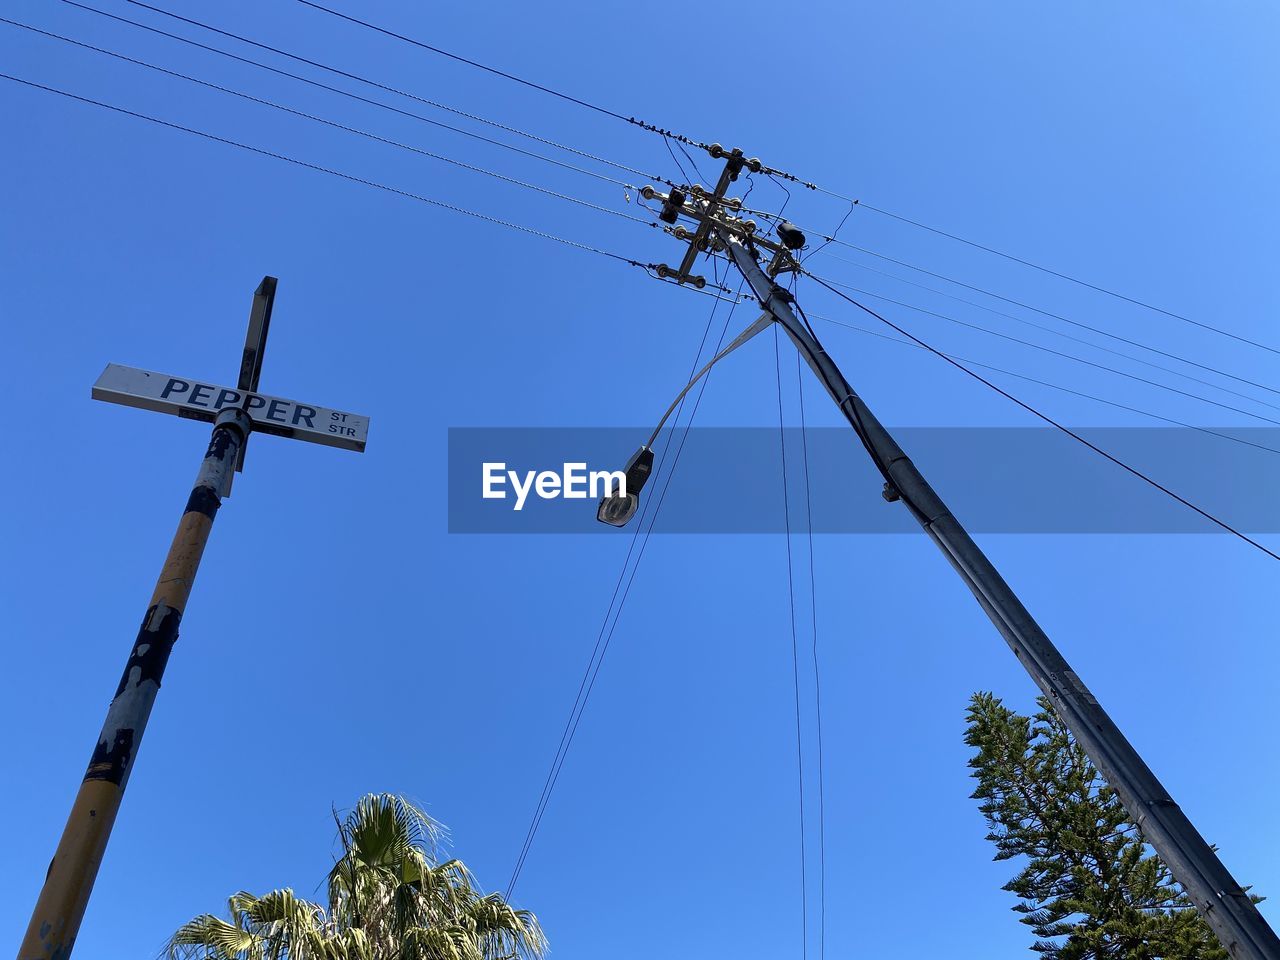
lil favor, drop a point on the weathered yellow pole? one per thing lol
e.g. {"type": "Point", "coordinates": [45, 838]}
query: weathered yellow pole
{"type": "Point", "coordinates": [61, 906]}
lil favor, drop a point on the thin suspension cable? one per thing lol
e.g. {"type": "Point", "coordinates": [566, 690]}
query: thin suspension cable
{"type": "Point", "coordinates": [817, 671]}
{"type": "Point", "coordinates": [608, 638]}
{"type": "Point", "coordinates": [327, 170]}
{"type": "Point", "coordinates": [665, 485]}
{"type": "Point", "coordinates": [1049, 420]}
{"type": "Point", "coordinates": [1053, 386]}
{"type": "Point", "coordinates": [1043, 313]}
{"type": "Point", "coordinates": [574, 712]}
{"type": "Point", "coordinates": [1059, 333]}
{"type": "Point", "coordinates": [352, 96]}
{"type": "Point", "coordinates": [403, 93]}
{"type": "Point", "coordinates": [1067, 277]}
{"type": "Point", "coordinates": [1057, 353]}
{"type": "Point", "coordinates": [795, 656]}
{"type": "Point", "coordinates": [334, 124]}
{"type": "Point", "coordinates": [460, 59]}
{"type": "Point", "coordinates": [652, 128]}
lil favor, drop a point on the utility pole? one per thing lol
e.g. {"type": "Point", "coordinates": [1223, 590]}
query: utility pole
{"type": "Point", "coordinates": [1194, 864]}
{"type": "Point", "coordinates": [235, 413]}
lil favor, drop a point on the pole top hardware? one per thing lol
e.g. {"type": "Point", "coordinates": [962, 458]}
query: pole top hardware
{"type": "Point", "coordinates": [665, 272]}
{"type": "Point", "coordinates": [713, 209]}
{"type": "Point", "coordinates": [735, 159]}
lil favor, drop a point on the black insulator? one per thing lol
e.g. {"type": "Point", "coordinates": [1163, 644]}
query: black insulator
{"type": "Point", "coordinates": [791, 236]}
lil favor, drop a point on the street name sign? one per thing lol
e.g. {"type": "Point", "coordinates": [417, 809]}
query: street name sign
{"type": "Point", "coordinates": [196, 400]}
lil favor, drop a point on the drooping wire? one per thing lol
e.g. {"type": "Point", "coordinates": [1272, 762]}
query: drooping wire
{"type": "Point", "coordinates": [640, 538]}
{"type": "Point", "coordinates": [1054, 386]}
{"type": "Point", "coordinates": [783, 187]}
{"type": "Point", "coordinates": [1067, 277]}
{"type": "Point", "coordinates": [676, 160]}
{"type": "Point", "coordinates": [795, 656]}
{"type": "Point", "coordinates": [826, 241]}
{"type": "Point", "coordinates": [1058, 333]}
{"type": "Point", "coordinates": [327, 170]}
{"type": "Point", "coordinates": [1050, 350]}
{"type": "Point", "coordinates": [817, 670]}
{"type": "Point", "coordinates": [692, 162]}
{"type": "Point", "coordinates": [1049, 420]}
{"type": "Point", "coordinates": [1042, 312]}
{"type": "Point", "coordinates": [336, 125]}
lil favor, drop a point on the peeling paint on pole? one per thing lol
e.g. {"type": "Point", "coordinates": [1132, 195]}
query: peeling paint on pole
{"type": "Point", "coordinates": [235, 413]}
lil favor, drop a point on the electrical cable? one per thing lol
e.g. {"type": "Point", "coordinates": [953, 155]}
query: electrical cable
{"type": "Point", "coordinates": [332, 123]}
{"type": "Point", "coordinates": [1055, 386]}
{"type": "Point", "coordinates": [826, 241]}
{"type": "Point", "coordinates": [331, 172]}
{"type": "Point", "coordinates": [1044, 313]}
{"type": "Point", "coordinates": [1049, 420]}
{"type": "Point", "coordinates": [812, 186]}
{"type": "Point", "coordinates": [817, 671]}
{"type": "Point", "coordinates": [502, 73]}
{"type": "Point", "coordinates": [1059, 333]}
{"type": "Point", "coordinates": [355, 96]}
{"type": "Point", "coordinates": [795, 656]}
{"type": "Point", "coordinates": [1050, 350]}
{"type": "Point", "coordinates": [454, 56]}
{"type": "Point", "coordinates": [403, 93]}
{"type": "Point", "coordinates": [694, 163]}
{"type": "Point", "coordinates": [593, 666]}
{"type": "Point", "coordinates": [1068, 277]}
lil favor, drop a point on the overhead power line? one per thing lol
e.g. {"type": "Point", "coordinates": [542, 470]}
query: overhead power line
{"type": "Point", "coordinates": [1049, 420]}
{"type": "Point", "coordinates": [1042, 312]}
{"type": "Point", "coordinates": [795, 655]}
{"type": "Point", "coordinates": [668, 134]}
{"type": "Point", "coordinates": [453, 56]}
{"type": "Point", "coordinates": [373, 83]}
{"type": "Point", "coordinates": [1068, 277]}
{"type": "Point", "coordinates": [1053, 386]}
{"type": "Point", "coordinates": [817, 670]}
{"type": "Point", "coordinates": [334, 124]}
{"type": "Point", "coordinates": [331, 172]}
{"type": "Point", "coordinates": [607, 629]}
{"type": "Point", "coordinates": [569, 98]}
{"type": "Point", "coordinates": [1049, 350]}
{"type": "Point", "coordinates": [1058, 333]}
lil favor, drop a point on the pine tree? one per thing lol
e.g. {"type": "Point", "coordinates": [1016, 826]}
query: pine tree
{"type": "Point", "coordinates": [1090, 887]}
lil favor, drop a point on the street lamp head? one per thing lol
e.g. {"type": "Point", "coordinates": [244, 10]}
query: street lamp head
{"type": "Point", "coordinates": [619, 505]}
{"type": "Point", "coordinates": [617, 511]}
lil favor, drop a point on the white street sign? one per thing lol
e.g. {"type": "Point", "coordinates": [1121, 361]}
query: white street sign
{"type": "Point", "coordinates": [195, 400]}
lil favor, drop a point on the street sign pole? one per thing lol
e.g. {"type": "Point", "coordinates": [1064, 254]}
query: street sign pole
{"type": "Point", "coordinates": [60, 908]}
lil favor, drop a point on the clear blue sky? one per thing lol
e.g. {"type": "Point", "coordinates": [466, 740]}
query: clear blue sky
{"type": "Point", "coordinates": [340, 641]}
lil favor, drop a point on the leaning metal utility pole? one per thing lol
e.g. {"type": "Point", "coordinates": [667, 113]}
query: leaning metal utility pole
{"type": "Point", "coordinates": [1215, 893]}
{"type": "Point", "coordinates": [56, 919]}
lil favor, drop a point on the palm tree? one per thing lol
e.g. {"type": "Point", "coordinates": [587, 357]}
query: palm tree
{"type": "Point", "coordinates": [391, 897]}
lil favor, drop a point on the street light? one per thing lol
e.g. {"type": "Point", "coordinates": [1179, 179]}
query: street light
{"type": "Point", "coordinates": [617, 510]}
{"type": "Point", "coordinates": [616, 507]}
